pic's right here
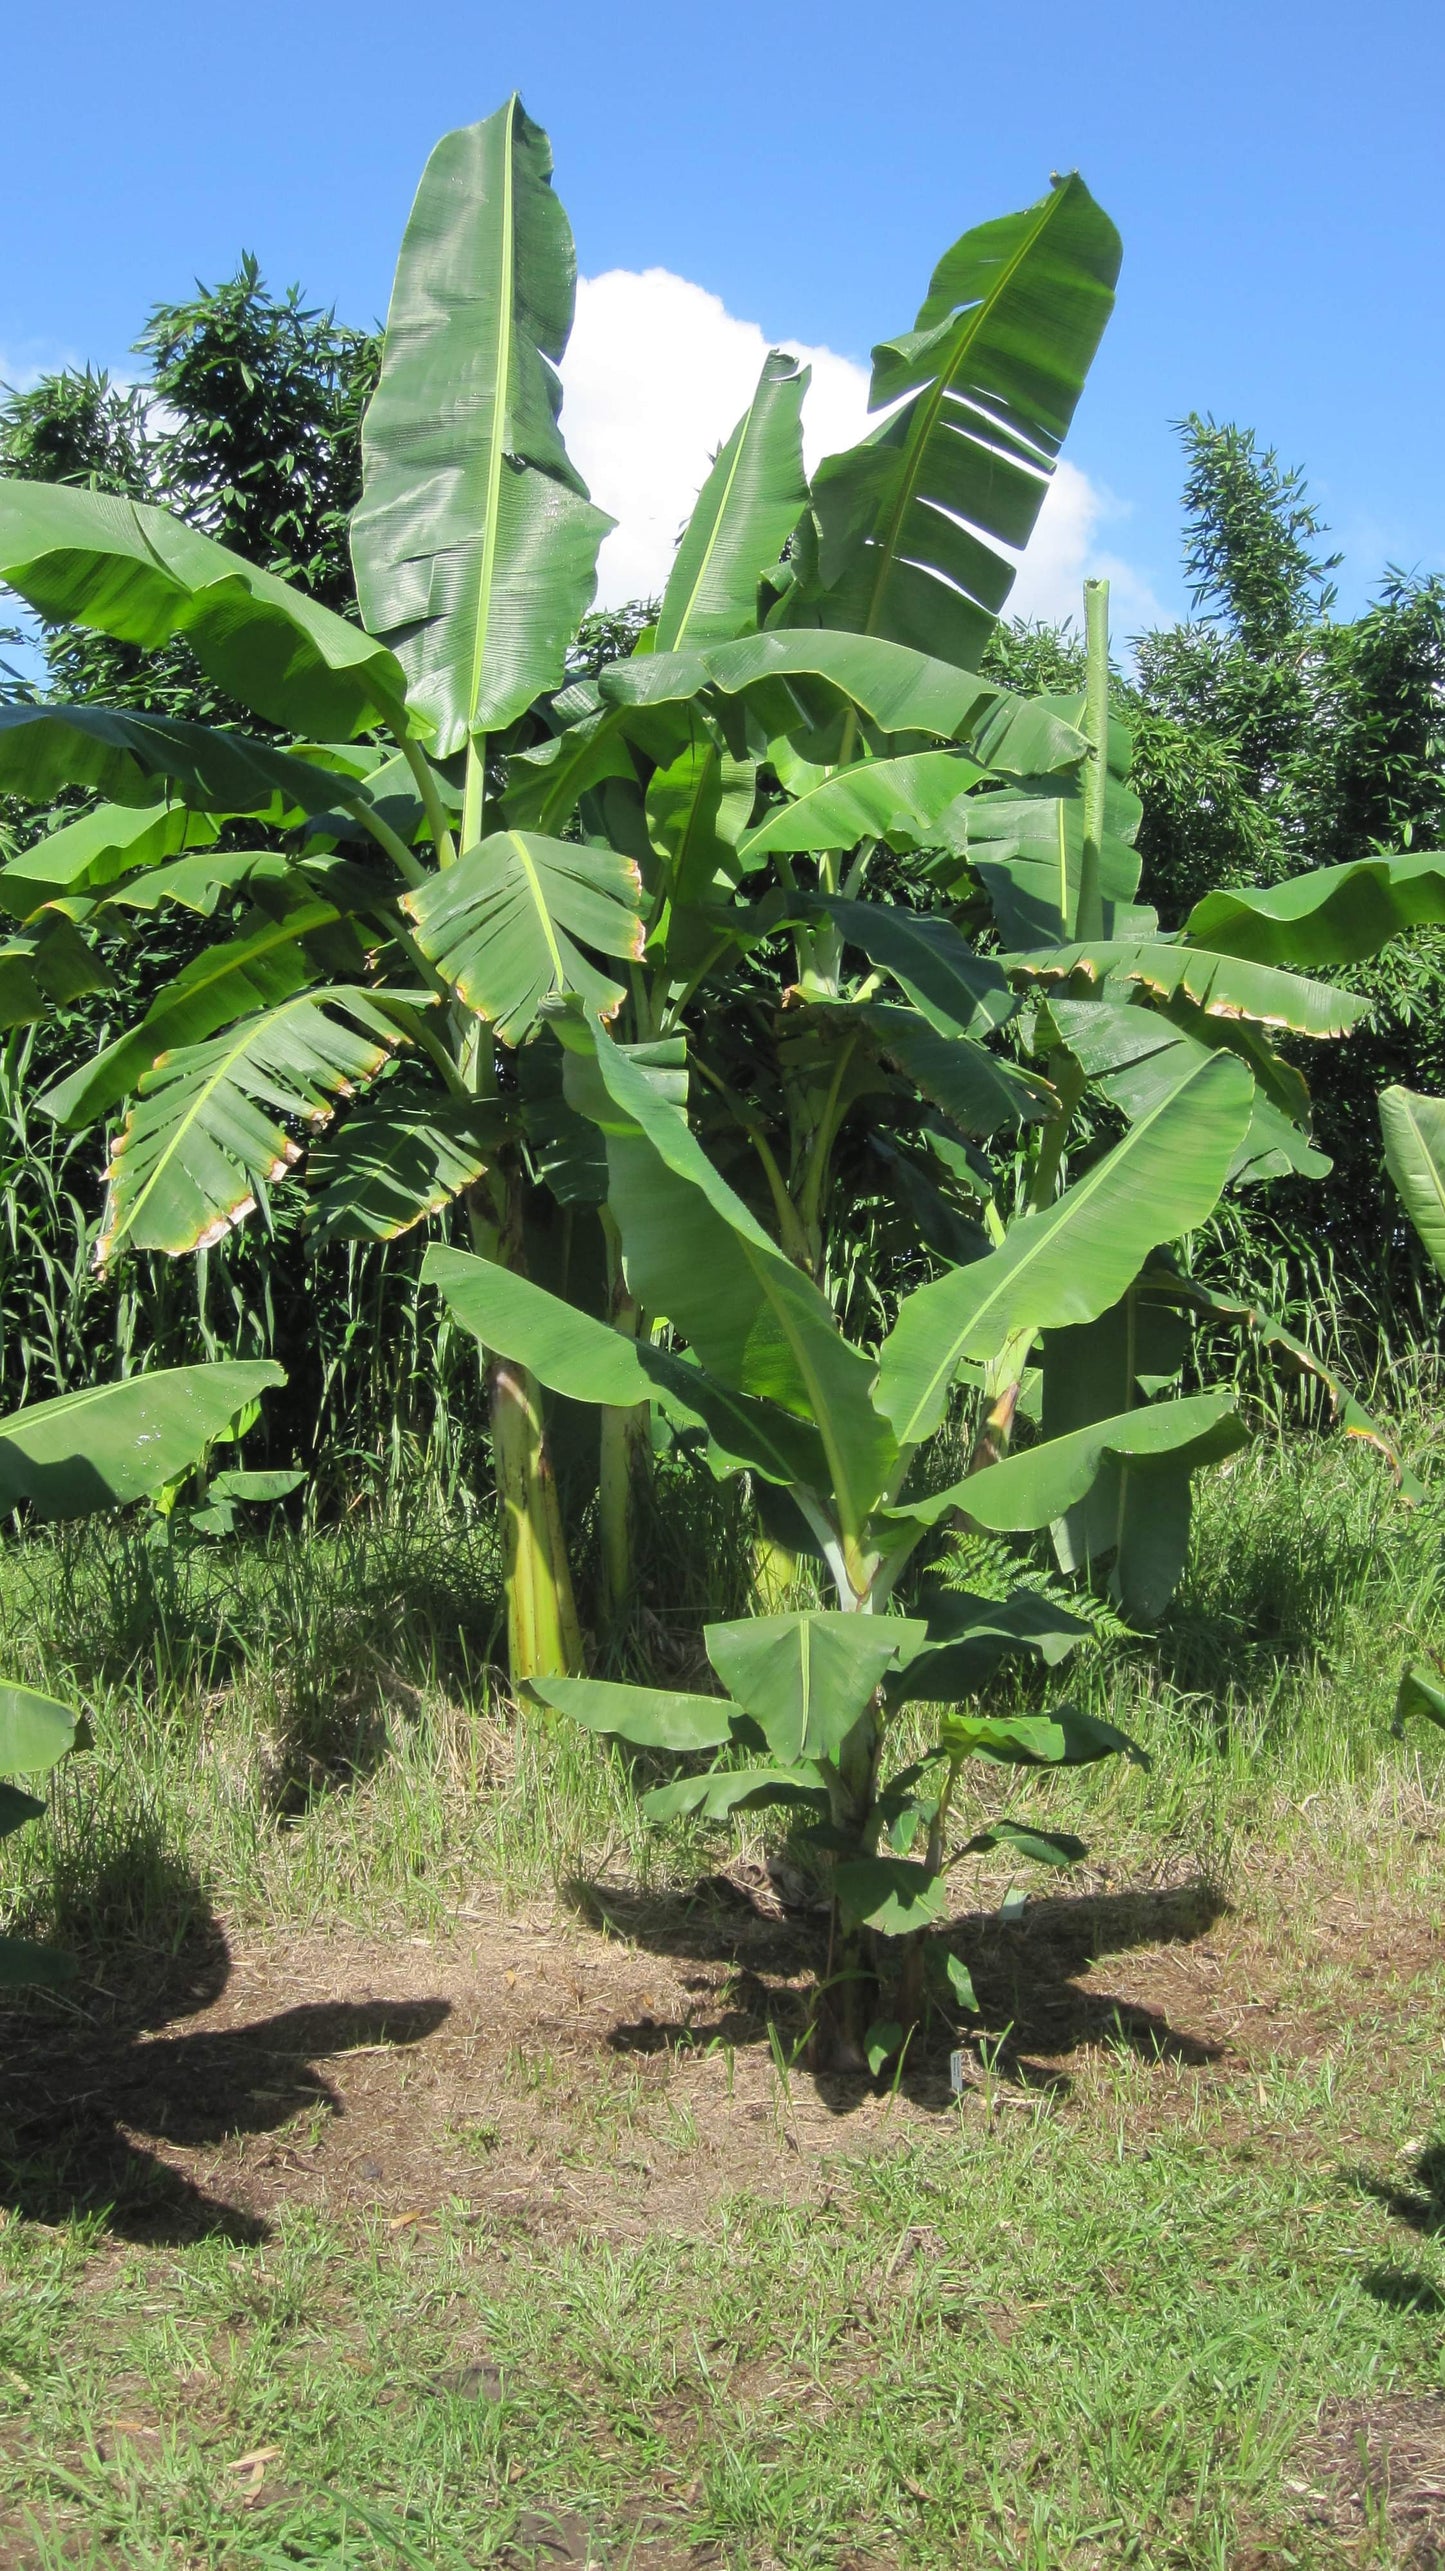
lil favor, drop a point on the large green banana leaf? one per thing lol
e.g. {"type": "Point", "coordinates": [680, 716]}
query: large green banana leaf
{"type": "Point", "coordinates": [400, 1156]}
{"type": "Point", "coordinates": [201, 1140]}
{"type": "Point", "coordinates": [1332, 915]}
{"type": "Point", "coordinates": [1414, 1132]}
{"type": "Point", "coordinates": [745, 512]}
{"type": "Point", "coordinates": [896, 800]}
{"type": "Point", "coordinates": [42, 966]}
{"type": "Point", "coordinates": [114, 1443]}
{"type": "Point", "coordinates": [1225, 985]}
{"type": "Point", "coordinates": [1027, 848]}
{"type": "Point", "coordinates": [1038, 1486]}
{"type": "Point", "coordinates": [1134, 1520]}
{"type": "Point", "coordinates": [266, 963]}
{"type": "Point", "coordinates": [46, 747]}
{"type": "Point", "coordinates": [1070, 1263]}
{"type": "Point", "coordinates": [502, 925]}
{"type": "Point", "coordinates": [98, 849]}
{"type": "Point", "coordinates": [806, 1677]}
{"type": "Point", "coordinates": [801, 682]}
{"type": "Point", "coordinates": [958, 991]}
{"type": "Point", "coordinates": [86, 558]}
{"type": "Point", "coordinates": [696, 1256]}
{"type": "Point", "coordinates": [1137, 1053]}
{"type": "Point", "coordinates": [588, 1361]}
{"type": "Point", "coordinates": [475, 544]}
{"type": "Point", "coordinates": [655, 1718]}
{"type": "Point", "coordinates": [908, 523]}
{"type": "Point", "coordinates": [697, 809]}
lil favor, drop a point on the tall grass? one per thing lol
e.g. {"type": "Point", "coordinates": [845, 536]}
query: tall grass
{"type": "Point", "coordinates": [309, 1723]}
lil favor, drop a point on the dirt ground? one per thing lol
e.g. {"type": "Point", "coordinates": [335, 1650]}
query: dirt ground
{"type": "Point", "coordinates": [531, 2067]}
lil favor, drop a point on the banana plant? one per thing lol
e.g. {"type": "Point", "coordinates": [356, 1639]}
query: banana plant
{"type": "Point", "coordinates": [103, 1448]}
{"type": "Point", "coordinates": [767, 1381]}
{"type": "Point", "coordinates": [1414, 1137]}
{"type": "Point", "coordinates": [440, 838]}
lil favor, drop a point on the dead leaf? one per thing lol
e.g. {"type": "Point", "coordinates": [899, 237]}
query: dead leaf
{"type": "Point", "coordinates": [258, 2455]}
{"type": "Point", "coordinates": [399, 2222]}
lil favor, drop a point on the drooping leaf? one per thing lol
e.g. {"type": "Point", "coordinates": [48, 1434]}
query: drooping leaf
{"type": "Point", "coordinates": [44, 748]}
{"type": "Point", "coordinates": [1414, 1132]}
{"type": "Point", "coordinates": [892, 1894]}
{"type": "Point", "coordinates": [1134, 1521]}
{"type": "Point", "coordinates": [22, 1964]}
{"type": "Point", "coordinates": [124, 568]}
{"type": "Point", "coordinates": [1226, 986]}
{"type": "Point", "coordinates": [115, 1443]}
{"type": "Point", "coordinates": [16, 1809]}
{"type": "Point", "coordinates": [802, 682]}
{"type": "Point", "coordinates": [99, 848]}
{"type": "Point", "coordinates": [202, 1136]}
{"type": "Point", "coordinates": [265, 964]}
{"type": "Point", "coordinates": [1040, 1483]}
{"type": "Point", "coordinates": [745, 512]}
{"type": "Point", "coordinates": [1421, 1691]}
{"type": "Point", "coordinates": [475, 544]}
{"type": "Point", "coordinates": [42, 966]}
{"type": "Point", "coordinates": [502, 925]}
{"type": "Point", "coordinates": [959, 992]}
{"type": "Point", "coordinates": [982, 391]}
{"type": "Point", "coordinates": [1332, 915]}
{"type": "Point", "coordinates": [968, 1638]}
{"type": "Point", "coordinates": [1046, 1847]}
{"type": "Point", "coordinates": [729, 1790]}
{"type": "Point", "coordinates": [655, 1718]}
{"type": "Point", "coordinates": [977, 1089]}
{"type": "Point", "coordinates": [1070, 1263]}
{"type": "Point", "coordinates": [586, 1360]}
{"type": "Point", "coordinates": [806, 1677]}
{"type": "Point", "coordinates": [399, 1157]}
{"type": "Point", "coordinates": [35, 1730]}
{"type": "Point", "coordinates": [895, 800]}
{"type": "Point", "coordinates": [697, 1256]}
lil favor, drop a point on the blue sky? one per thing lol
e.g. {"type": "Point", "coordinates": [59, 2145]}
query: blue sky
{"type": "Point", "coordinates": [1274, 169]}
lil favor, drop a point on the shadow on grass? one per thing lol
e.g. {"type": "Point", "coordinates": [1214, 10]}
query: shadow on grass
{"type": "Point", "coordinates": [1027, 1976]}
{"type": "Point", "coordinates": [94, 2074]}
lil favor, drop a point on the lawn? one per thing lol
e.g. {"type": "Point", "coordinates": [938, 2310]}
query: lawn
{"type": "Point", "coordinates": [425, 2169]}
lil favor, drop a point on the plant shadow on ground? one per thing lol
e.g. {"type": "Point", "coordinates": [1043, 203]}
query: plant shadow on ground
{"type": "Point", "coordinates": [1032, 2005]}
{"type": "Point", "coordinates": [86, 2068]}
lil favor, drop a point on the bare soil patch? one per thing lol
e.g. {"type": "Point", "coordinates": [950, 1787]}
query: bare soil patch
{"type": "Point", "coordinates": [612, 2065]}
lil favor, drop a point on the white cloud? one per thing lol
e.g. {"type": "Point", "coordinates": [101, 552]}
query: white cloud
{"type": "Point", "coordinates": [656, 374]}
{"type": "Point", "coordinates": [1064, 551]}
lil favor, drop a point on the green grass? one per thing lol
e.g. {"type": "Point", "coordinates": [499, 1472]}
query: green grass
{"type": "Point", "coordinates": [1078, 2331]}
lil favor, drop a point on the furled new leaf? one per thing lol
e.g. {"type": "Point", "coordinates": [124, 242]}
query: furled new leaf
{"type": "Point", "coordinates": [655, 1718]}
